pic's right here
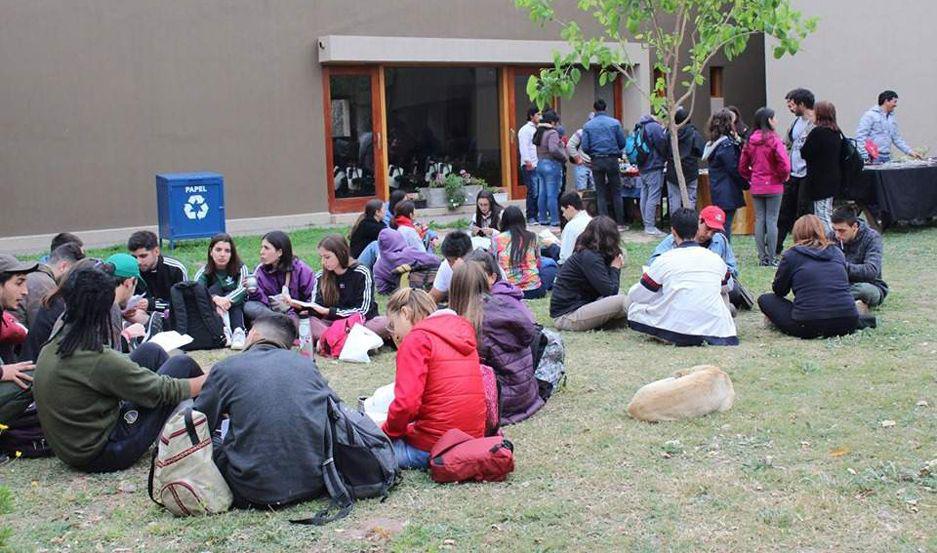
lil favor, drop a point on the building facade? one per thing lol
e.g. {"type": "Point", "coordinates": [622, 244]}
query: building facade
{"type": "Point", "coordinates": [307, 108]}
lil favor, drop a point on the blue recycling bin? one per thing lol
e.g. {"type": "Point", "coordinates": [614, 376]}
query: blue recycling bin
{"type": "Point", "coordinates": [189, 205]}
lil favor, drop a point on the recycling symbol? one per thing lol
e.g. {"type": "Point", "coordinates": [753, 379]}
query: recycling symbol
{"type": "Point", "coordinates": [195, 207]}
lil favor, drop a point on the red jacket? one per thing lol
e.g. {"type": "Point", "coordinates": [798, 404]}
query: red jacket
{"type": "Point", "coordinates": [438, 385]}
{"type": "Point", "coordinates": [764, 163]}
{"type": "Point", "coordinates": [11, 331]}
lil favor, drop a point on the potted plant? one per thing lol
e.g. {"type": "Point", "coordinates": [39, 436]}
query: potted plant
{"type": "Point", "coordinates": [454, 186]}
{"type": "Point", "coordinates": [473, 185]}
{"type": "Point", "coordinates": [435, 192]}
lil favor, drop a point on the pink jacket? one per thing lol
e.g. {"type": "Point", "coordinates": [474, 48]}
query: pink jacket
{"type": "Point", "coordinates": [765, 164]}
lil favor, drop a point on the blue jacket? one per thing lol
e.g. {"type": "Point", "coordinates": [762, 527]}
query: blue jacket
{"type": "Point", "coordinates": [718, 245]}
{"type": "Point", "coordinates": [654, 133]}
{"type": "Point", "coordinates": [602, 136]}
{"type": "Point", "coordinates": [882, 128]}
{"type": "Point", "coordinates": [725, 182]}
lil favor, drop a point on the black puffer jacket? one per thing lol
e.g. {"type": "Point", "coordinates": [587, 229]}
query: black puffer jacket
{"type": "Point", "coordinates": [819, 282]}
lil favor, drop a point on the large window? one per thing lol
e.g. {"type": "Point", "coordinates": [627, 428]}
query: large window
{"type": "Point", "coordinates": [441, 120]}
{"type": "Point", "coordinates": [352, 135]}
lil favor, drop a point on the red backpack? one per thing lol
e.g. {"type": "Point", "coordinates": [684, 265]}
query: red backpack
{"type": "Point", "coordinates": [458, 457]}
{"type": "Point", "coordinates": [333, 339]}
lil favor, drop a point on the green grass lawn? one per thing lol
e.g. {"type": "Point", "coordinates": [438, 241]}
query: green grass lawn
{"type": "Point", "coordinates": [801, 462]}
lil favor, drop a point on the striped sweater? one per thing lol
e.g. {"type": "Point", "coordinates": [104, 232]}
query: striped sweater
{"type": "Point", "coordinates": [231, 285]}
{"type": "Point", "coordinates": [355, 294]}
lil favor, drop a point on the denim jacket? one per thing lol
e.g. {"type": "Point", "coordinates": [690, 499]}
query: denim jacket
{"type": "Point", "coordinates": [882, 128]}
{"type": "Point", "coordinates": [602, 136]}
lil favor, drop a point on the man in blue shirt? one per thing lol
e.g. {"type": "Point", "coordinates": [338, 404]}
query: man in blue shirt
{"type": "Point", "coordinates": [603, 141]}
{"type": "Point", "coordinates": [710, 235]}
{"type": "Point", "coordinates": [878, 125]}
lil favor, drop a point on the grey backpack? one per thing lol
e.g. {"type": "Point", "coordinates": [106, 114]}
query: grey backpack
{"type": "Point", "coordinates": [550, 361]}
{"type": "Point", "coordinates": [359, 462]}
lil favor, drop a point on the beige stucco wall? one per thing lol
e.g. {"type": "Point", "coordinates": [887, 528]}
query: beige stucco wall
{"type": "Point", "coordinates": [861, 48]}
{"type": "Point", "coordinates": [97, 97]}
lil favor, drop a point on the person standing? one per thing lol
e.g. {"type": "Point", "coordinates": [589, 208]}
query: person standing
{"type": "Point", "coordinates": [651, 169]}
{"type": "Point", "coordinates": [690, 145]}
{"type": "Point", "coordinates": [822, 152]}
{"type": "Point", "coordinates": [722, 153]}
{"type": "Point", "coordinates": [551, 156]}
{"type": "Point", "coordinates": [800, 102]}
{"type": "Point", "coordinates": [582, 161]}
{"type": "Point", "coordinates": [603, 141]}
{"type": "Point", "coordinates": [765, 165]}
{"type": "Point", "coordinates": [528, 155]}
{"type": "Point", "coordinates": [879, 127]}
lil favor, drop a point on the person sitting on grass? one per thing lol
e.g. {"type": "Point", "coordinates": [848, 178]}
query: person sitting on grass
{"type": "Point", "coordinates": [158, 273]}
{"type": "Point", "coordinates": [455, 246]}
{"type": "Point", "coordinates": [519, 256]}
{"type": "Point", "coordinates": [61, 239]}
{"type": "Point", "coordinates": [397, 258]}
{"type": "Point", "coordinates": [505, 328]}
{"type": "Point", "coordinates": [343, 288]}
{"type": "Point", "coordinates": [585, 295]}
{"type": "Point", "coordinates": [363, 237]}
{"type": "Point", "coordinates": [100, 410]}
{"type": "Point", "coordinates": [418, 236]}
{"type": "Point", "coordinates": [815, 271]}
{"type": "Point", "coordinates": [223, 276]}
{"type": "Point", "coordinates": [282, 279]}
{"type": "Point", "coordinates": [438, 385]}
{"type": "Point", "coordinates": [46, 278]}
{"type": "Point", "coordinates": [487, 219]}
{"type": "Point", "coordinates": [862, 247]}
{"type": "Point", "coordinates": [15, 396]}
{"type": "Point", "coordinates": [679, 298]}
{"type": "Point", "coordinates": [274, 401]}
{"type": "Point", "coordinates": [576, 220]}
{"type": "Point", "coordinates": [395, 198]}
{"type": "Point", "coordinates": [710, 235]}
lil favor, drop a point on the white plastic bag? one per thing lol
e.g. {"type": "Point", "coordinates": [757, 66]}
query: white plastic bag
{"type": "Point", "coordinates": [377, 405]}
{"type": "Point", "coordinates": [359, 342]}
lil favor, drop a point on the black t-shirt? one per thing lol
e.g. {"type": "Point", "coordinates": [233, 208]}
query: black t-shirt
{"type": "Point", "coordinates": [583, 278]}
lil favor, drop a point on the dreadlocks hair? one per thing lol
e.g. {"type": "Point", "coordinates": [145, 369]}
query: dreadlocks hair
{"type": "Point", "coordinates": [87, 312]}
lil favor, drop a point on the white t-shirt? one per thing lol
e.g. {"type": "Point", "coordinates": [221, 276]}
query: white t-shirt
{"type": "Point", "coordinates": [571, 233]}
{"type": "Point", "coordinates": [525, 143]}
{"type": "Point", "coordinates": [443, 277]}
{"type": "Point", "coordinates": [679, 297]}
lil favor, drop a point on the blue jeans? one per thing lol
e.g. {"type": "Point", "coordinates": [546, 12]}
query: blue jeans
{"type": "Point", "coordinates": [409, 457]}
{"type": "Point", "coordinates": [584, 179]}
{"type": "Point", "coordinates": [548, 270]}
{"type": "Point", "coordinates": [532, 182]}
{"type": "Point", "coordinates": [369, 255]}
{"type": "Point", "coordinates": [139, 426]}
{"type": "Point", "coordinates": [550, 173]}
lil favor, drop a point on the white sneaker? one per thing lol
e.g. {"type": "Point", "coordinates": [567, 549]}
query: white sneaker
{"type": "Point", "coordinates": [227, 337]}
{"type": "Point", "coordinates": [238, 339]}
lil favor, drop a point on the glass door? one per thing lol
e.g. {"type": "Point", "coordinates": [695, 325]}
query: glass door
{"type": "Point", "coordinates": [354, 148]}
{"type": "Point", "coordinates": [518, 103]}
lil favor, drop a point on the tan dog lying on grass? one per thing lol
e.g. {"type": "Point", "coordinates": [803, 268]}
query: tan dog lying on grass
{"type": "Point", "coordinates": [695, 392]}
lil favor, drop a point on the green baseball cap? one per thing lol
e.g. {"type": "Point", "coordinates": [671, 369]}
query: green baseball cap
{"type": "Point", "coordinates": [125, 266]}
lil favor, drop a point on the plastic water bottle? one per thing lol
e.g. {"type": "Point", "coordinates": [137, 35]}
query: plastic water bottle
{"type": "Point", "coordinates": [305, 338]}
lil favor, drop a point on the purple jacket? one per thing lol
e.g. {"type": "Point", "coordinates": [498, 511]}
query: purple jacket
{"type": "Point", "coordinates": [395, 252]}
{"type": "Point", "coordinates": [270, 282]}
{"type": "Point", "coordinates": [507, 332]}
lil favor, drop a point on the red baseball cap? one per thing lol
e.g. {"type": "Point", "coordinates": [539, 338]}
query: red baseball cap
{"type": "Point", "coordinates": [714, 217]}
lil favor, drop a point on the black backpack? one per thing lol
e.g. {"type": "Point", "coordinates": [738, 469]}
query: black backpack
{"type": "Point", "coordinates": [24, 437]}
{"type": "Point", "coordinates": [359, 462]}
{"type": "Point", "coordinates": [192, 312]}
{"type": "Point", "coordinates": [850, 163]}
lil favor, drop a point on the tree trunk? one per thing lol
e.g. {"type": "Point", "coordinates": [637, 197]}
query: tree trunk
{"type": "Point", "coordinates": [678, 165]}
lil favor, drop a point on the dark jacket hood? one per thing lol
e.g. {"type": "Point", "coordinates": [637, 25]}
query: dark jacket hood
{"type": "Point", "coordinates": [446, 326]}
{"type": "Point", "coordinates": [824, 254]}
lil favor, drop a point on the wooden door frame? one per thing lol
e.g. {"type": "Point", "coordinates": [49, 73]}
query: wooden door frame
{"type": "Point", "coordinates": [378, 141]}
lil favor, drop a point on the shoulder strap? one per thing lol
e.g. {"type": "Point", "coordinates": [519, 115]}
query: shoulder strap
{"type": "Point", "coordinates": [190, 426]}
{"type": "Point", "coordinates": [333, 483]}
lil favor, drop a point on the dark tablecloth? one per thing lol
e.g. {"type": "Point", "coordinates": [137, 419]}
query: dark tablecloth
{"type": "Point", "coordinates": [897, 194]}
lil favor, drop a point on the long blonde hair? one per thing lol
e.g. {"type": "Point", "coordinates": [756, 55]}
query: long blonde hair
{"type": "Point", "coordinates": [418, 302]}
{"type": "Point", "coordinates": [467, 294]}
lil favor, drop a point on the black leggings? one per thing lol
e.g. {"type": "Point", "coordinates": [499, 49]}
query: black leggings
{"type": "Point", "coordinates": [138, 427]}
{"type": "Point", "coordinates": [778, 310]}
